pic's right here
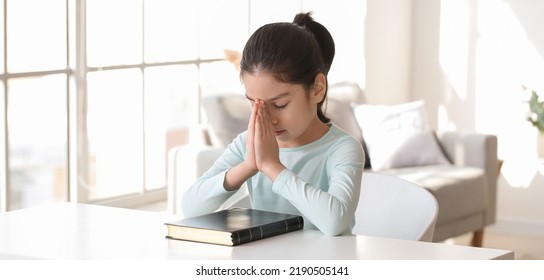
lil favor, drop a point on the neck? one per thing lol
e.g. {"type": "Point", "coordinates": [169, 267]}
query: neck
{"type": "Point", "coordinates": [315, 131]}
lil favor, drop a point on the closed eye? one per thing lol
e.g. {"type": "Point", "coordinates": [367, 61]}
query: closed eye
{"type": "Point", "coordinates": [279, 107]}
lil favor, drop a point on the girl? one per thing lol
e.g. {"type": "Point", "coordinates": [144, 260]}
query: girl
{"type": "Point", "coordinates": [292, 158]}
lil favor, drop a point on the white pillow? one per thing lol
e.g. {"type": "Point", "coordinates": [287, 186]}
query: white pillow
{"type": "Point", "coordinates": [420, 148]}
{"type": "Point", "coordinates": [398, 135]}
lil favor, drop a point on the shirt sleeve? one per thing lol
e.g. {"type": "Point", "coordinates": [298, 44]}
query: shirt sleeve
{"type": "Point", "coordinates": [331, 211]}
{"type": "Point", "coordinates": [207, 193]}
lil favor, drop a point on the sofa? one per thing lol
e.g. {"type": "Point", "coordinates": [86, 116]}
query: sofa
{"type": "Point", "coordinates": [459, 168]}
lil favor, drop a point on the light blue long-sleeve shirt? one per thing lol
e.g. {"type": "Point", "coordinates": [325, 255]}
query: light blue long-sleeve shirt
{"type": "Point", "coordinates": [321, 182]}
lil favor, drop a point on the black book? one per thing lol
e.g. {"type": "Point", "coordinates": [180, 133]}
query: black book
{"type": "Point", "coordinates": [234, 226]}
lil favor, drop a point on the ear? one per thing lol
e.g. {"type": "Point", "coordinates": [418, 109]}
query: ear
{"type": "Point", "coordinates": [320, 88]}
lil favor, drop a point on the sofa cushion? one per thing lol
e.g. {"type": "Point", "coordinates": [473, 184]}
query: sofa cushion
{"type": "Point", "coordinates": [347, 91]}
{"type": "Point", "coordinates": [396, 134]}
{"type": "Point", "coordinates": [417, 149]}
{"type": "Point", "coordinates": [459, 190]}
{"type": "Point", "coordinates": [227, 116]}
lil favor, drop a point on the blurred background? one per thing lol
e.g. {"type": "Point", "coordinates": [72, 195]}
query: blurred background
{"type": "Point", "coordinates": [94, 93]}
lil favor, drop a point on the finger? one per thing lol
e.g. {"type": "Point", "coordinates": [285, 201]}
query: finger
{"type": "Point", "coordinates": [261, 120]}
{"type": "Point", "coordinates": [253, 117]}
{"type": "Point", "coordinates": [253, 125]}
{"type": "Point", "coordinates": [266, 120]}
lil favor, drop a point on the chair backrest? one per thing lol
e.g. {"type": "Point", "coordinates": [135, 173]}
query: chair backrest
{"type": "Point", "coordinates": [395, 208]}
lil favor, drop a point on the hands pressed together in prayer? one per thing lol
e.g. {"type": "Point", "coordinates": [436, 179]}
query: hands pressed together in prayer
{"type": "Point", "coordinates": [262, 150]}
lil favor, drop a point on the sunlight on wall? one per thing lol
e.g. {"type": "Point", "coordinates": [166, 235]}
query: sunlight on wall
{"type": "Point", "coordinates": [444, 122]}
{"type": "Point", "coordinates": [518, 173]}
{"type": "Point", "coordinates": [454, 43]}
{"type": "Point", "coordinates": [505, 60]}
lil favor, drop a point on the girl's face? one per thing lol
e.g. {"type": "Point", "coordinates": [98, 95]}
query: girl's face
{"type": "Point", "coordinates": [292, 110]}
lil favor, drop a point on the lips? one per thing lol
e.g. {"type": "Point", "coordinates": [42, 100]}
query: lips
{"type": "Point", "coordinates": [279, 132]}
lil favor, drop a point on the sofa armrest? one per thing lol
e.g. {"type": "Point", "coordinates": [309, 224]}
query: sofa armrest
{"type": "Point", "coordinates": [476, 150]}
{"type": "Point", "coordinates": [186, 163]}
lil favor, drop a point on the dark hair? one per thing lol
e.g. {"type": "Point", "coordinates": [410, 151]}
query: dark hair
{"type": "Point", "coordinates": [293, 52]}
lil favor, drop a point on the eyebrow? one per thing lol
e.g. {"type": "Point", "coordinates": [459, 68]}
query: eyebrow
{"type": "Point", "coordinates": [279, 96]}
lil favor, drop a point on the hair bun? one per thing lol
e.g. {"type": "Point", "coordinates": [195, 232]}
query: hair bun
{"type": "Point", "coordinates": [321, 34]}
{"type": "Point", "coordinates": [303, 19]}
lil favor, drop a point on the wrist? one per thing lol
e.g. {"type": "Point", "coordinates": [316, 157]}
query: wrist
{"type": "Point", "coordinates": [236, 176]}
{"type": "Point", "coordinates": [249, 169]}
{"type": "Point", "coordinates": [272, 171]}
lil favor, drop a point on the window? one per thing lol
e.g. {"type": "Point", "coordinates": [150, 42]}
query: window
{"type": "Point", "coordinates": [95, 95]}
{"type": "Point", "coordinates": [34, 81]}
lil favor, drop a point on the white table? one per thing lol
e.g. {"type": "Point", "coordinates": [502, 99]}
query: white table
{"type": "Point", "coordinates": [81, 231]}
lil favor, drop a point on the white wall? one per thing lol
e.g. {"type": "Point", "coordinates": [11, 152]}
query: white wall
{"type": "Point", "coordinates": [387, 50]}
{"type": "Point", "coordinates": [468, 59]}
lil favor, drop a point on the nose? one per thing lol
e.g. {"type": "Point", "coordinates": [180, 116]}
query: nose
{"type": "Point", "coordinates": [273, 117]}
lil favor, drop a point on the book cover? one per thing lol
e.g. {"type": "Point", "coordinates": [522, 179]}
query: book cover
{"type": "Point", "coordinates": [234, 226]}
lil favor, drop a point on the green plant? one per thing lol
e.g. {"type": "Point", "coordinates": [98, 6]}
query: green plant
{"type": "Point", "coordinates": [536, 106]}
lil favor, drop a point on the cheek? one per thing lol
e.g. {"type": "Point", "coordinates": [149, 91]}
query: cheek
{"type": "Point", "coordinates": [291, 115]}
